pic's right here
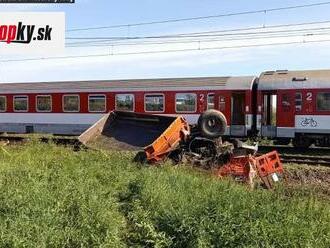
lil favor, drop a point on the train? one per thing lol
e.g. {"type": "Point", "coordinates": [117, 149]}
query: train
{"type": "Point", "coordinates": [285, 106]}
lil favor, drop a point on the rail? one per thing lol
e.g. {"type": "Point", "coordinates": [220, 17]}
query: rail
{"type": "Point", "coordinates": [288, 154]}
{"type": "Point", "coordinates": [309, 160]}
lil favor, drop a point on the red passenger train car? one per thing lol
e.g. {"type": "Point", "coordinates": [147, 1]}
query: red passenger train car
{"type": "Point", "coordinates": [295, 105]}
{"type": "Point", "coordinates": [72, 107]}
{"type": "Point", "coordinates": [281, 105]}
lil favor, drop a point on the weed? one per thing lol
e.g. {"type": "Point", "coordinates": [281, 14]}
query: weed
{"type": "Point", "coordinates": [51, 196]}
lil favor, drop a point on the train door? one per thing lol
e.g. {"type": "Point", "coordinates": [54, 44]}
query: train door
{"type": "Point", "coordinates": [237, 127]}
{"type": "Point", "coordinates": [286, 110]}
{"type": "Point", "coordinates": [269, 120]}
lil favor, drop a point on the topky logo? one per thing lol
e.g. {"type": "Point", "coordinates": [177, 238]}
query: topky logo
{"type": "Point", "coordinates": [22, 33]}
{"type": "Point", "coordinates": [40, 33]}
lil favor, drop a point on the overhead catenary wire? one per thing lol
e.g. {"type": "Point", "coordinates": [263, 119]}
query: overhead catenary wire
{"type": "Point", "coordinates": [201, 17]}
{"type": "Point", "coordinates": [215, 38]}
{"type": "Point", "coordinates": [232, 36]}
{"type": "Point", "coordinates": [274, 36]}
{"type": "Point", "coordinates": [219, 31]}
{"type": "Point", "coordinates": [164, 51]}
{"type": "Point", "coordinates": [195, 35]}
{"type": "Point", "coordinates": [205, 36]}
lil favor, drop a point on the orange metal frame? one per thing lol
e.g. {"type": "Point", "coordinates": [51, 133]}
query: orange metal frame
{"type": "Point", "coordinates": [168, 140]}
{"type": "Point", "coordinates": [266, 166]}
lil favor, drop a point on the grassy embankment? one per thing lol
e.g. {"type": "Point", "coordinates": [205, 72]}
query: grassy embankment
{"type": "Point", "coordinates": [53, 197]}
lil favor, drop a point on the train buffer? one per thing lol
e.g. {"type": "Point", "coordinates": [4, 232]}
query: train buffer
{"type": "Point", "coordinates": [157, 138]}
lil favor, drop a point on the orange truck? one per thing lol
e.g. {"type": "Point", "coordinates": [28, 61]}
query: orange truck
{"type": "Point", "coordinates": [155, 137]}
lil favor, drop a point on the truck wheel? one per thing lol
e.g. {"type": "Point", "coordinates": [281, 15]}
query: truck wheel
{"type": "Point", "coordinates": [212, 124]}
{"type": "Point", "coordinates": [140, 157]}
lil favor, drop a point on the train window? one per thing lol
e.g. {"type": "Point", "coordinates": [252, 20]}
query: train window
{"type": "Point", "coordinates": [323, 101]}
{"type": "Point", "coordinates": [20, 103]}
{"type": "Point", "coordinates": [286, 100]}
{"type": "Point", "coordinates": [210, 101]}
{"type": "Point", "coordinates": [185, 102]}
{"type": "Point", "coordinates": [3, 104]}
{"type": "Point", "coordinates": [44, 103]}
{"type": "Point", "coordinates": [71, 103]}
{"type": "Point", "coordinates": [222, 103]}
{"type": "Point", "coordinates": [96, 103]}
{"type": "Point", "coordinates": [125, 102]}
{"type": "Point", "coordinates": [154, 103]}
{"type": "Point", "coordinates": [298, 101]}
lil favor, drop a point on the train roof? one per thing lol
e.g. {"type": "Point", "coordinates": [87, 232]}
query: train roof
{"type": "Point", "coordinates": [166, 84]}
{"type": "Point", "coordinates": [283, 79]}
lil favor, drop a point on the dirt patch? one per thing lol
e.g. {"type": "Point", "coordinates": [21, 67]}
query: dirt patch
{"type": "Point", "coordinates": [316, 178]}
{"type": "Point", "coordinates": [127, 136]}
{"type": "Point", "coordinates": [307, 174]}
{"type": "Point", "coordinates": [126, 131]}
{"type": "Point", "coordinates": [104, 142]}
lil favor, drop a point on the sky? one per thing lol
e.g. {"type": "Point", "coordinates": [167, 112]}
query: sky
{"type": "Point", "coordinates": [222, 62]}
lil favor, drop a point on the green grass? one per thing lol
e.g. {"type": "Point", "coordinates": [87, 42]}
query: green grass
{"type": "Point", "coordinates": [53, 197]}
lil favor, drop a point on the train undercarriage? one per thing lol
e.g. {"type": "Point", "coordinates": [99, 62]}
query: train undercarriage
{"type": "Point", "coordinates": [305, 140]}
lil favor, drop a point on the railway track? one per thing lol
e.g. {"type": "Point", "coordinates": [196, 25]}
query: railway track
{"type": "Point", "coordinates": [60, 140]}
{"type": "Point", "coordinates": [310, 160]}
{"type": "Point", "coordinates": [288, 154]}
{"type": "Point", "coordinates": [310, 156]}
{"type": "Point", "coordinates": [295, 150]}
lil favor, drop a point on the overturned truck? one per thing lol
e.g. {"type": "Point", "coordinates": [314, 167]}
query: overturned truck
{"type": "Point", "coordinates": [157, 138]}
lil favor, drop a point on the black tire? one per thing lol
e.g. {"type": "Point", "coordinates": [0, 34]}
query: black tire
{"type": "Point", "coordinates": [140, 157]}
{"type": "Point", "coordinates": [212, 124]}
